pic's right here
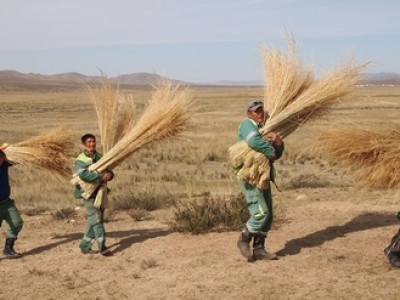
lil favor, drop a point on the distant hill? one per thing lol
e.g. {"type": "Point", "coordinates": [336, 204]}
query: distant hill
{"type": "Point", "coordinates": [381, 79]}
{"type": "Point", "coordinates": [10, 79]}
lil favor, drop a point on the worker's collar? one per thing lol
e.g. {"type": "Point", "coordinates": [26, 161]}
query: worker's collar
{"type": "Point", "coordinates": [90, 155]}
{"type": "Point", "coordinates": [259, 125]}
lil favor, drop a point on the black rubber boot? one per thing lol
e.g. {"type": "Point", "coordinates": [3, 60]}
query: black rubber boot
{"type": "Point", "coordinates": [106, 252]}
{"type": "Point", "coordinates": [394, 260]}
{"type": "Point", "coordinates": [259, 252]}
{"type": "Point", "coordinates": [9, 248]}
{"type": "Point", "coordinates": [243, 243]}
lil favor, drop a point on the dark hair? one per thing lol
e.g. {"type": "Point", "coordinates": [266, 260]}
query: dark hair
{"type": "Point", "coordinates": [2, 154]}
{"type": "Point", "coordinates": [87, 136]}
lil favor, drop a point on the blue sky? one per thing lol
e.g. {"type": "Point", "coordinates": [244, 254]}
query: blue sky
{"type": "Point", "coordinates": [193, 40]}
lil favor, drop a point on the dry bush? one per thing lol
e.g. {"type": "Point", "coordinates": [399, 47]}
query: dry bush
{"type": "Point", "coordinates": [147, 200]}
{"type": "Point", "coordinates": [307, 181]}
{"type": "Point", "coordinates": [64, 213]}
{"type": "Point", "coordinates": [139, 214]}
{"type": "Point", "coordinates": [208, 214]}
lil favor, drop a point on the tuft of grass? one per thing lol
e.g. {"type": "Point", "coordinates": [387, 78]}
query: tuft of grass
{"type": "Point", "coordinates": [148, 263]}
{"type": "Point", "coordinates": [64, 213]}
{"type": "Point", "coordinates": [35, 210]}
{"type": "Point", "coordinates": [208, 214]}
{"type": "Point", "coordinates": [139, 214]}
{"type": "Point", "coordinates": [146, 200]}
{"type": "Point", "coordinates": [307, 181]}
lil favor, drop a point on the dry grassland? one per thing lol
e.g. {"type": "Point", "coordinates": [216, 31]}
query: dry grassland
{"type": "Point", "coordinates": [330, 237]}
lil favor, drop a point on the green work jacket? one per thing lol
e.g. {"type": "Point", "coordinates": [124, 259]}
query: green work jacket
{"type": "Point", "coordinates": [82, 163]}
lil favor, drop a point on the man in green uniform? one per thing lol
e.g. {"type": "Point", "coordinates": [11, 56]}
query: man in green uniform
{"type": "Point", "coordinates": [95, 229]}
{"type": "Point", "coordinates": [259, 202]}
{"type": "Point", "coordinates": [8, 210]}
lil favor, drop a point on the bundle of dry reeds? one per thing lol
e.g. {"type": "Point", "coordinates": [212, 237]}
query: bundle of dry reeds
{"type": "Point", "coordinates": [373, 157]}
{"type": "Point", "coordinates": [115, 117]}
{"type": "Point", "coordinates": [292, 98]}
{"type": "Point", "coordinates": [165, 116]}
{"type": "Point", "coordinates": [49, 152]}
{"type": "Point", "coordinates": [114, 112]}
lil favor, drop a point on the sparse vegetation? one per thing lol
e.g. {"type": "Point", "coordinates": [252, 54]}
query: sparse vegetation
{"type": "Point", "coordinates": [64, 213]}
{"type": "Point", "coordinates": [148, 263]}
{"type": "Point", "coordinates": [208, 214]}
{"type": "Point", "coordinates": [321, 231]}
{"type": "Point", "coordinates": [139, 214]}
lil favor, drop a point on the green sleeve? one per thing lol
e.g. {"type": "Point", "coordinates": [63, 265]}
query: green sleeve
{"type": "Point", "coordinates": [85, 174]}
{"type": "Point", "coordinates": [248, 132]}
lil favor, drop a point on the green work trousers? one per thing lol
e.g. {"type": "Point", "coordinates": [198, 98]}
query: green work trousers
{"type": "Point", "coordinates": [94, 228]}
{"type": "Point", "coordinates": [259, 203]}
{"type": "Point", "coordinates": [9, 212]}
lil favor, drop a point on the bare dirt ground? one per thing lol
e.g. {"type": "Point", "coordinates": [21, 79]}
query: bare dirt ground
{"type": "Point", "coordinates": [330, 243]}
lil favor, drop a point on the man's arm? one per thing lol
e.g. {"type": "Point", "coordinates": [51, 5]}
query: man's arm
{"type": "Point", "coordinates": [253, 138]}
{"type": "Point", "coordinates": [85, 174]}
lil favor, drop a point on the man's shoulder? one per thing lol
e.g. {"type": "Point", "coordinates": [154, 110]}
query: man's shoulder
{"type": "Point", "coordinates": [246, 123]}
{"type": "Point", "coordinates": [83, 157]}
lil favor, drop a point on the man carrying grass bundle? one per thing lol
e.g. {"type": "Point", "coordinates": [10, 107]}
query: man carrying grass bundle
{"type": "Point", "coordinates": [259, 201]}
{"type": "Point", "coordinates": [95, 228]}
{"type": "Point", "coordinates": [8, 210]}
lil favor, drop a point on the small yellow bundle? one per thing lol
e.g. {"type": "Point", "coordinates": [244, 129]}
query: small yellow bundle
{"type": "Point", "coordinates": [48, 152]}
{"type": "Point", "coordinates": [373, 157]}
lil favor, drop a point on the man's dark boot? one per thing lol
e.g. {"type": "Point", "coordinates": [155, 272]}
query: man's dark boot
{"type": "Point", "coordinates": [243, 243]}
{"type": "Point", "coordinates": [9, 248]}
{"type": "Point", "coordinates": [259, 252]}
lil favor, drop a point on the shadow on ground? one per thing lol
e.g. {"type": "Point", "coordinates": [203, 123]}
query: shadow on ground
{"type": "Point", "coordinates": [128, 237]}
{"type": "Point", "coordinates": [359, 223]}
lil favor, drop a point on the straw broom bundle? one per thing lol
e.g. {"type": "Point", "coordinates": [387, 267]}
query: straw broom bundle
{"type": "Point", "coordinates": [47, 152]}
{"type": "Point", "coordinates": [293, 97]}
{"type": "Point", "coordinates": [114, 112]}
{"type": "Point", "coordinates": [165, 116]}
{"type": "Point", "coordinates": [114, 115]}
{"type": "Point", "coordinates": [373, 157]}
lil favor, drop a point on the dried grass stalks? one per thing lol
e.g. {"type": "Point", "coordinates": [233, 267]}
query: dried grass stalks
{"type": "Point", "coordinates": [114, 112]}
{"type": "Point", "coordinates": [292, 98]}
{"type": "Point", "coordinates": [165, 116]}
{"type": "Point", "coordinates": [48, 152]}
{"type": "Point", "coordinates": [373, 157]}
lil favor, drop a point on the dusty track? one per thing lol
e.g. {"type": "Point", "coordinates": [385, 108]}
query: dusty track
{"type": "Point", "coordinates": [331, 247]}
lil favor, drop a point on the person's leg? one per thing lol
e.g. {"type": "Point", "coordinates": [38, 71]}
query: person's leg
{"type": "Point", "coordinates": [95, 222]}
{"type": "Point", "coordinates": [259, 217]}
{"type": "Point", "coordinates": [14, 220]}
{"type": "Point", "coordinates": [88, 238]}
{"type": "Point", "coordinates": [259, 251]}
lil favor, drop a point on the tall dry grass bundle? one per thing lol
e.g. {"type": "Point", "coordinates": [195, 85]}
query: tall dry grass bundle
{"type": "Point", "coordinates": [166, 116]}
{"type": "Point", "coordinates": [293, 97]}
{"type": "Point", "coordinates": [374, 158]}
{"type": "Point", "coordinates": [114, 112]}
{"type": "Point", "coordinates": [115, 117]}
{"type": "Point", "coordinates": [48, 152]}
